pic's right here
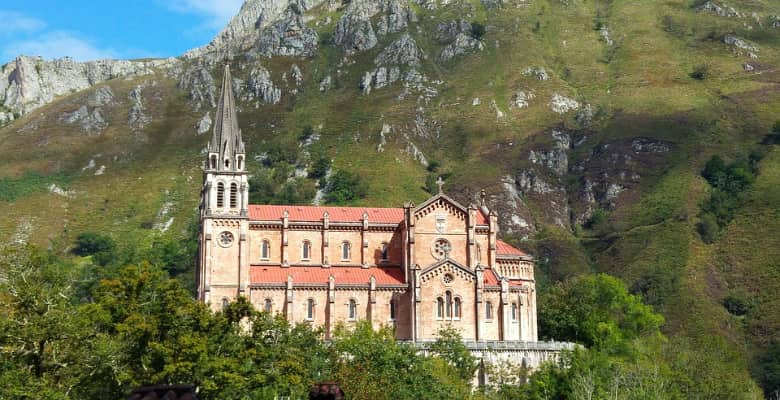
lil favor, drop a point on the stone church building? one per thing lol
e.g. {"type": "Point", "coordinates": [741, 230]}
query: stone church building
{"type": "Point", "coordinates": [417, 268]}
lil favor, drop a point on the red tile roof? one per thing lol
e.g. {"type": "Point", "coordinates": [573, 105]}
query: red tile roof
{"type": "Point", "coordinates": [490, 277]}
{"type": "Point", "coordinates": [343, 275]}
{"type": "Point", "coordinates": [504, 248]}
{"type": "Point", "coordinates": [337, 214]}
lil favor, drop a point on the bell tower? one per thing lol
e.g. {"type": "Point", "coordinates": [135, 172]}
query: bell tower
{"type": "Point", "coordinates": [224, 208]}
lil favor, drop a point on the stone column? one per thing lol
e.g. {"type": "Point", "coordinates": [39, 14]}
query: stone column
{"type": "Point", "coordinates": [506, 314]}
{"type": "Point", "coordinates": [330, 306]}
{"type": "Point", "coordinates": [325, 227]}
{"type": "Point", "coordinates": [285, 247]}
{"type": "Point", "coordinates": [289, 298]}
{"type": "Point", "coordinates": [372, 311]}
{"type": "Point", "coordinates": [364, 242]}
{"type": "Point", "coordinates": [479, 288]}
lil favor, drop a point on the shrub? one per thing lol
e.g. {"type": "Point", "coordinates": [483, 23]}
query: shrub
{"type": "Point", "coordinates": [735, 306]}
{"type": "Point", "coordinates": [477, 30]}
{"type": "Point", "coordinates": [708, 228]}
{"type": "Point", "coordinates": [344, 187]}
{"type": "Point", "coordinates": [700, 72]}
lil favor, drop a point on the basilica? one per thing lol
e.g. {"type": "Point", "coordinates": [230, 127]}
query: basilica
{"type": "Point", "coordinates": [416, 268]}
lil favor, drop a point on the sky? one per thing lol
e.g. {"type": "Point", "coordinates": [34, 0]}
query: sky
{"type": "Point", "coordinates": [124, 29]}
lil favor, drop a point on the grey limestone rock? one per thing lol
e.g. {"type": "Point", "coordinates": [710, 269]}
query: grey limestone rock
{"type": "Point", "coordinates": [261, 87]}
{"type": "Point", "coordinates": [27, 83]}
{"type": "Point", "coordinates": [91, 122]}
{"type": "Point", "coordinates": [562, 104]}
{"type": "Point", "coordinates": [325, 84]}
{"type": "Point", "coordinates": [537, 72]}
{"type": "Point", "coordinates": [137, 117]}
{"type": "Point", "coordinates": [396, 16]}
{"type": "Point", "coordinates": [245, 28]}
{"type": "Point", "coordinates": [403, 51]}
{"type": "Point", "coordinates": [354, 31]}
{"type": "Point", "coordinates": [204, 124]}
{"type": "Point", "coordinates": [521, 99]}
{"type": "Point", "coordinates": [296, 74]}
{"type": "Point", "coordinates": [6, 118]}
{"type": "Point", "coordinates": [447, 31]}
{"type": "Point", "coordinates": [103, 96]}
{"type": "Point", "coordinates": [289, 36]}
{"type": "Point", "coordinates": [463, 44]}
{"type": "Point", "coordinates": [199, 83]}
{"type": "Point", "coordinates": [741, 45]}
{"type": "Point", "coordinates": [721, 10]}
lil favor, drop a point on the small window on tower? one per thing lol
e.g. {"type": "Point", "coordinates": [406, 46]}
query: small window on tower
{"type": "Point", "coordinates": [345, 251]}
{"type": "Point", "coordinates": [310, 309]}
{"type": "Point", "coordinates": [392, 310]}
{"type": "Point", "coordinates": [488, 310]}
{"type": "Point", "coordinates": [220, 194]}
{"type": "Point", "coordinates": [233, 195]}
{"type": "Point", "coordinates": [514, 311]}
{"type": "Point", "coordinates": [267, 305]}
{"type": "Point", "coordinates": [240, 162]}
{"type": "Point", "coordinates": [352, 310]}
{"type": "Point", "coordinates": [306, 250]}
{"type": "Point", "coordinates": [227, 163]}
{"type": "Point", "coordinates": [384, 251]}
{"type": "Point", "coordinates": [213, 162]}
{"type": "Point", "coordinates": [265, 250]}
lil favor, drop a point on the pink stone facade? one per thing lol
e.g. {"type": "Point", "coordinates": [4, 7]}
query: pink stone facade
{"type": "Point", "coordinates": [417, 268]}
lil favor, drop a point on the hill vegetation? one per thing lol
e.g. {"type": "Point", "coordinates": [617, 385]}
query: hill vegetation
{"type": "Point", "coordinates": [636, 139]}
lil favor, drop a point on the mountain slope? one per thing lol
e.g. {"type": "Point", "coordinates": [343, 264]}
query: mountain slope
{"type": "Point", "coordinates": [587, 123]}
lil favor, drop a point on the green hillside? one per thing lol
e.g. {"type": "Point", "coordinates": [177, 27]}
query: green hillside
{"type": "Point", "coordinates": [660, 72]}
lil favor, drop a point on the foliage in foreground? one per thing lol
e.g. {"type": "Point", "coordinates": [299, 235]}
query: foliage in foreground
{"type": "Point", "coordinates": [140, 327]}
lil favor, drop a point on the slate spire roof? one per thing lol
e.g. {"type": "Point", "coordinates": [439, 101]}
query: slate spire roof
{"type": "Point", "coordinates": [226, 139]}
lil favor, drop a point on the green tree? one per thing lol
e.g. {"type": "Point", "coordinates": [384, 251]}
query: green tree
{"type": "Point", "coordinates": [344, 187]}
{"type": "Point", "coordinates": [597, 311]}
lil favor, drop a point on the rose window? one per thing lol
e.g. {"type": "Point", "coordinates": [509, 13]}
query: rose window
{"type": "Point", "coordinates": [441, 249]}
{"type": "Point", "coordinates": [225, 239]}
{"type": "Point", "coordinates": [447, 278]}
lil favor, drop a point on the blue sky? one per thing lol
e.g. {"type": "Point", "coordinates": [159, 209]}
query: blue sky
{"type": "Point", "coordinates": [93, 29]}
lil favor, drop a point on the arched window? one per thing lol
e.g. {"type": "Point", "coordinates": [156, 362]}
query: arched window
{"type": "Point", "coordinates": [448, 304]}
{"type": "Point", "coordinates": [265, 250]}
{"type": "Point", "coordinates": [456, 307]}
{"type": "Point", "coordinates": [310, 309]}
{"type": "Point", "coordinates": [439, 308]}
{"type": "Point", "coordinates": [267, 305]}
{"type": "Point", "coordinates": [227, 163]}
{"type": "Point", "coordinates": [352, 309]}
{"type": "Point", "coordinates": [240, 162]}
{"type": "Point", "coordinates": [213, 162]}
{"type": "Point", "coordinates": [220, 194]}
{"type": "Point", "coordinates": [479, 254]}
{"type": "Point", "coordinates": [345, 251]}
{"type": "Point", "coordinates": [488, 310]}
{"type": "Point", "coordinates": [384, 251]}
{"type": "Point", "coordinates": [225, 303]}
{"type": "Point", "coordinates": [233, 195]}
{"type": "Point", "coordinates": [392, 310]}
{"type": "Point", "coordinates": [514, 311]}
{"type": "Point", "coordinates": [306, 250]}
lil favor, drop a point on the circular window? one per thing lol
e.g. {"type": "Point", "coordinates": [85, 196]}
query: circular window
{"type": "Point", "coordinates": [225, 239]}
{"type": "Point", "coordinates": [447, 278]}
{"type": "Point", "coordinates": [441, 249]}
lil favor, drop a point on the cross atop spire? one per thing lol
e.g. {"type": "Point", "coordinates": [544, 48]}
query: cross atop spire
{"type": "Point", "coordinates": [226, 143]}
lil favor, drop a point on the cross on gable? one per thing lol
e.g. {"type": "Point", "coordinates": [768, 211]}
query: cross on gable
{"type": "Point", "coordinates": [440, 182]}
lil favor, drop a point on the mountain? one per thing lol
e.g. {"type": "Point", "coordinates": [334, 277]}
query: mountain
{"type": "Point", "coordinates": [587, 123]}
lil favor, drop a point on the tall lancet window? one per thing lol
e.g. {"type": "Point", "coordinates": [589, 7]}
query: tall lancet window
{"type": "Point", "coordinates": [345, 251]}
{"type": "Point", "coordinates": [265, 250]}
{"type": "Point", "coordinates": [448, 304]}
{"type": "Point", "coordinates": [233, 195]}
{"type": "Point", "coordinates": [220, 194]}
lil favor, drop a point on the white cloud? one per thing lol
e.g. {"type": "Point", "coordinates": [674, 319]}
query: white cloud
{"type": "Point", "coordinates": [56, 44]}
{"type": "Point", "coordinates": [217, 13]}
{"type": "Point", "coordinates": [14, 22]}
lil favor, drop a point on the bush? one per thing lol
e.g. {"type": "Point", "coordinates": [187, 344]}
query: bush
{"type": "Point", "coordinates": [735, 306]}
{"type": "Point", "coordinates": [708, 228]}
{"type": "Point", "coordinates": [345, 187]}
{"type": "Point", "coordinates": [477, 30]}
{"type": "Point", "coordinates": [700, 72]}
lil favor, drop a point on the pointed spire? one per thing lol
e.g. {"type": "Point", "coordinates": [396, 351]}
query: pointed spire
{"type": "Point", "coordinates": [226, 140]}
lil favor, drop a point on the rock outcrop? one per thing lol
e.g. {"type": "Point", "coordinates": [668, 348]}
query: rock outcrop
{"type": "Point", "coordinates": [463, 44]}
{"type": "Point", "coordinates": [289, 36]}
{"type": "Point", "coordinates": [400, 59]}
{"type": "Point", "coordinates": [30, 82]}
{"type": "Point", "coordinates": [198, 82]}
{"type": "Point", "coordinates": [261, 88]}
